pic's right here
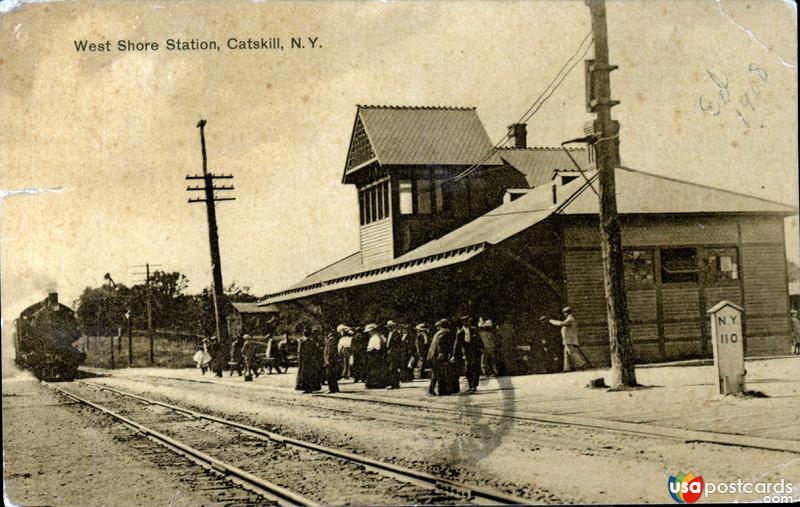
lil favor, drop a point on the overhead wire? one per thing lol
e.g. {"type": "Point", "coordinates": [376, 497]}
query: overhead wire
{"type": "Point", "coordinates": [537, 104]}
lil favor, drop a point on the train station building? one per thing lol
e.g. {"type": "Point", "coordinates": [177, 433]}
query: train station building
{"type": "Point", "coordinates": [446, 229]}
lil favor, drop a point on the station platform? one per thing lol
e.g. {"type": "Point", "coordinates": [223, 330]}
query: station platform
{"type": "Point", "coordinates": [674, 401]}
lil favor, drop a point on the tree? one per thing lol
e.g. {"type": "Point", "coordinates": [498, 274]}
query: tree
{"type": "Point", "coordinates": [101, 310]}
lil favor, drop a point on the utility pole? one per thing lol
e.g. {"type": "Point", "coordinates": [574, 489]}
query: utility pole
{"type": "Point", "coordinates": [149, 309]}
{"type": "Point", "coordinates": [149, 314]}
{"type": "Point", "coordinates": [112, 347]}
{"type": "Point", "coordinates": [130, 337]}
{"type": "Point", "coordinates": [213, 236]}
{"type": "Point", "coordinates": [623, 373]}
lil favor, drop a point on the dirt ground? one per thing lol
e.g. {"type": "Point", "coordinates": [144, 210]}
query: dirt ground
{"type": "Point", "coordinates": [543, 462]}
{"type": "Point", "coordinates": [546, 463]}
{"type": "Point", "coordinates": [57, 453]}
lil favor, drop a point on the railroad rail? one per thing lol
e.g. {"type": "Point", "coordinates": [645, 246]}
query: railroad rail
{"type": "Point", "coordinates": [626, 428]}
{"type": "Point", "coordinates": [281, 495]}
{"type": "Point", "coordinates": [262, 487]}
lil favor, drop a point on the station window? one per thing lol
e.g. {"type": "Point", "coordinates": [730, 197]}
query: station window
{"type": "Point", "coordinates": [721, 265]}
{"type": "Point", "coordinates": [679, 265]}
{"type": "Point", "coordinates": [639, 267]}
{"type": "Point", "coordinates": [406, 197]}
{"type": "Point", "coordinates": [374, 202]}
{"type": "Point", "coordinates": [379, 199]}
{"type": "Point", "coordinates": [424, 197]}
{"type": "Point", "coordinates": [439, 196]}
{"type": "Point", "coordinates": [362, 209]}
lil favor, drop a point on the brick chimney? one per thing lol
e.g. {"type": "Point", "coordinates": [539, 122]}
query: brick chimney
{"type": "Point", "coordinates": [518, 132]}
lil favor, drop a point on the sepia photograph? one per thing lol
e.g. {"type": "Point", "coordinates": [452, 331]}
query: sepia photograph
{"type": "Point", "coordinates": [399, 252]}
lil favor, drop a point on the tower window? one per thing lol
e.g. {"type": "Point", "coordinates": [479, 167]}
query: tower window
{"type": "Point", "coordinates": [424, 197]}
{"type": "Point", "coordinates": [406, 198]}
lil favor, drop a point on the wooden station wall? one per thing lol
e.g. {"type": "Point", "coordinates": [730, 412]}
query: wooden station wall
{"type": "Point", "coordinates": [668, 320]}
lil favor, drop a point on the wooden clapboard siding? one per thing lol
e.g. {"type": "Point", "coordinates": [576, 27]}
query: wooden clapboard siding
{"type": "Point", "coordinates": [642, 305]}
{"type": "Point", "coordinates": [680, 301]}
{"type": "Point", "coordinates": [647, 352]}
{"type": "Point", "coordinates": [684, 349]}
{"type": "Point", "coordinates": [732, 293]}
{"type": "Point", "coordinates": [762, 256]}
{"type": "Point", "coordinates": [377, 244]}
{"type": "Point", "coordinates": [642, 333]}
{"type": "Point", "coordinates": [764, 272]}
{"type": "Point", "coordinates": [585, 288]}
{"type": "Point", "coordinates": [762, 230]}
{"type": "Point", "coordinates": [677, 230]}
{"type": "Point", "coordinates": [668, 321]}
{"type": "Point", "coordinates": [768, 345]}
{"type": "Point", "coordinates": [766, 326]}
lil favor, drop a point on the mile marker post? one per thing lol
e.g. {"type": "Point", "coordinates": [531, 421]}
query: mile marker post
{"type": "Point", "coordinates": [728, 342]}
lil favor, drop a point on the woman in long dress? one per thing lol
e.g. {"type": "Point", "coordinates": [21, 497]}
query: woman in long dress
{"type": "Point", "coordinates": [307, 377]}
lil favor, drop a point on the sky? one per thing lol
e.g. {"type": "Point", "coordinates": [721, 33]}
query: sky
{"type": "Point", "coordinates": [94, 147]}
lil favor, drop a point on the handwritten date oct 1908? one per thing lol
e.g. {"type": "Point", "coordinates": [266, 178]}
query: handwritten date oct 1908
{"type": "Point", "coordinates": [742, 97]}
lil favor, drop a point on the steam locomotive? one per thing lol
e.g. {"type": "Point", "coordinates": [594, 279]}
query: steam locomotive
{"type": "Point", "coordinates": [43, 341]}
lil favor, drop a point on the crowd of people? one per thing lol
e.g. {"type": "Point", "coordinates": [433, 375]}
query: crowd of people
{"type": "Point", "coordinates": [244, 358]}
{"type": "Point", "coordinates": [382, 355]}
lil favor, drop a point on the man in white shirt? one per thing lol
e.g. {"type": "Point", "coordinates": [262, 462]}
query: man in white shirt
{"type": "Point", "coordinates": [376, 360]}
{"type": "Point", "coordinates": [574, 357]}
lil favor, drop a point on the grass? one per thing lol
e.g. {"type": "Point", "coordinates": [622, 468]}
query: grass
{"type": "Point", "coordinates": [166, 353]}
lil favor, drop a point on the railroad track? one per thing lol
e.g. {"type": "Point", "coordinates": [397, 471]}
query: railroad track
{"type": "Point", "coordinates": [620, 427]}
{"type": "Point", "coordinates": [259, 453]}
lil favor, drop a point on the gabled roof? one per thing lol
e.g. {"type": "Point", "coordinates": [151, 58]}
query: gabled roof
{"type": "Point", "coordinates": [349, 264]}
{"type": "Point", "coordinates": [642, 192]}
{"type": "Point", "coordinates": [637, 193]}
{"type": "Point", "coordinates": [400, 135]}
{"type": "Point", "coordinates": [539, 164]}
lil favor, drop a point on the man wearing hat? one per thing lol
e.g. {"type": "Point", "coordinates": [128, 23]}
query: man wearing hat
{"type": "Point", "coordinates": [394, 353]}
{"type": "Point", "coordinates": [795, 332]}
{"type": "Point", "coordinates": [358, 349]}
{"type": "Point", "coordinates": [469, 347]}
{"type": "Point", "coordinates": [574, 357]}
{"type": "Point", "coordinates": [375, 364]}
{"type": "Point", "coordinates": [421, 344]}
{"type": "Point", "coordinates": [486, 332]}
{"type": "Point", "coordinates": [215, 350]}
{"type": "Point", "coordinates": [249, 357]}
{"type": "Point", "coordinates": [332, 362]}
{"type": "Point", "coordinates": [439, 354]}
{"type": "Point", "coordinates": [344, 347]}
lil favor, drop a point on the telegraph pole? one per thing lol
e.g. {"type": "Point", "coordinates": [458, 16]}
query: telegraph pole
{"type": "Point", "coordinates": [213, 236]}
{"type": "Point", "coordinates": [148, 296]}
{"type": "Point", "coordinates": [149, 313]}
{"type": "Point", "coordinates": [130, 336]}
{"type": "Point", "coordinates": [623, 373]}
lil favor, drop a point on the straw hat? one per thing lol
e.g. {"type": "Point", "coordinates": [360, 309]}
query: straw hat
{"type": "Point", "coordinates": [370, 327]}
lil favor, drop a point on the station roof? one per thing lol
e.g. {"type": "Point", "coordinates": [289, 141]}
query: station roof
{"type": "Point", "coordinates": [254, 307]}
{"type": "Point", "coordinates": [638, 192]}
{"type": "Point", "coordinates": [404, 135]}
{"type": "Point", "coordinates": [538, 164]}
